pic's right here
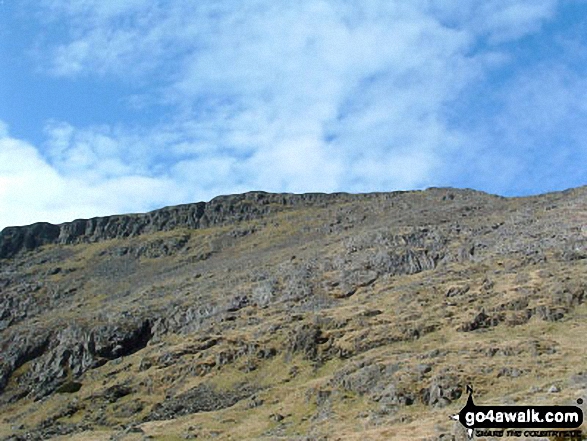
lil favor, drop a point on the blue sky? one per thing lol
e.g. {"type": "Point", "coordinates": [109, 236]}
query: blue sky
{"type": "Point", "coordinates": [111, 106]}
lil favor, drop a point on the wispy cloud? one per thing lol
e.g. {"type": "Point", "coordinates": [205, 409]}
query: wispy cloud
{"type": "Point", "coordinates": [313, 95]}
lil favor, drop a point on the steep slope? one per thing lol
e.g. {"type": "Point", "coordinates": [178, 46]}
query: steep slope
{"type": "Point", "coordinates": [279, 316]}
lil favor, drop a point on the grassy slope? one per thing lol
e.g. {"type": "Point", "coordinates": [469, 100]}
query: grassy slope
{"type": "Point", "coordinates": [370, 327]}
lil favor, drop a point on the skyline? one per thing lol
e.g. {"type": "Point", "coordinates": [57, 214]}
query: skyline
{"type": "Point", "coordinates": [109, 107]}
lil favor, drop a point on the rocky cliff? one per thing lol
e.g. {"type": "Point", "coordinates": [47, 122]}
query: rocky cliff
{"type": "Point", "coordinates": [219, 211]}
{"type": "Point", "coordinates": [279, 316]}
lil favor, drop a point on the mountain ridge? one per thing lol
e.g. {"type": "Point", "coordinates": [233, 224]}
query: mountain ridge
{"type": "Point", "coordinates": [219, 210]}
{"type": "Point", "coordinates": [327, 315]}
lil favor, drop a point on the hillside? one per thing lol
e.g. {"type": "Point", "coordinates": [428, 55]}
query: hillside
{"type": "Point", "coordinates": [292, 317]}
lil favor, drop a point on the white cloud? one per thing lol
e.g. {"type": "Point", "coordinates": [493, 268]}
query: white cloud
{"type": "Point", "coordinates": [28, 185]}
{"type": "Point", "coordinates": [296, 165]}
{"type": "Point", "coordinates": [313, 95]}
{"type": "Point", "coordinates": [91, 154]}
{"type": "Point", "coordinates": [32, 190]}
{"type": "Point", "coordinates": [508, 20]}
{"type": "Point", "coordinates": [498, 20]}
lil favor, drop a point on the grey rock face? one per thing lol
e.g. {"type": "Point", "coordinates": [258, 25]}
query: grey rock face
{"type": "Point", "coordinates": [219, 211]}
{"type": "Point", "coordinates": [443, 389]}
{"type": "Point", "coordinates": [306, 339]}
{"type": "Point", "coordinates": [14, 239]}
{"type": "Point", "coordinates": [69, 353]}
{"type": "Point", "coordinates": [18, 349]}
{"type": "Point", "coordinates": [202, 398]}
{"type": "Point", "coordinates": [65, 310]}
{"type": "Point", "coordinates": [480, 321]}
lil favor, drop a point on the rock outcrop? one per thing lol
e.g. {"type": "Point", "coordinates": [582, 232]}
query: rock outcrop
{"type": "Point", "coordinates": [221, 210]}
{"type": "Point", "coordinates": [300, 310]}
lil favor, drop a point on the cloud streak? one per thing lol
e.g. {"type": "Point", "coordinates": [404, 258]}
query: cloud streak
{"type": "Point", "coordinates": [314, 95]}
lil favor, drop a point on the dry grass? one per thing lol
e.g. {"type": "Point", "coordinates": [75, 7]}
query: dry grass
{"type": "Point", "coordinates": [401, 319]}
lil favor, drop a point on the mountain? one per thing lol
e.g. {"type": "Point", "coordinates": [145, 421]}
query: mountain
{"type": "Point", "coordinates": [293, 317]}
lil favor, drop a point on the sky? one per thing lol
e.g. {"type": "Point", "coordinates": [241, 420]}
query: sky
{"type": "Point", "coordinates": [110, 106]}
